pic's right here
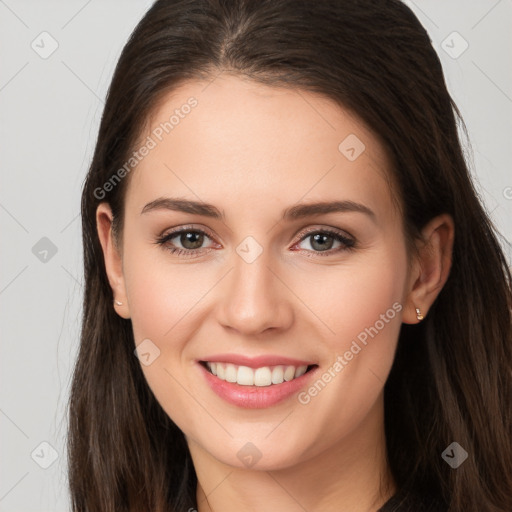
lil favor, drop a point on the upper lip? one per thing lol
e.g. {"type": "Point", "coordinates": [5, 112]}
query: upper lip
{"type": "Point", "coordinates": [256, 362]}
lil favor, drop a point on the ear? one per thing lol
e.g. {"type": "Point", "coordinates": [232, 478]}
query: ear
{"type": "Point", "coordinates": [431, 267]}
{"type": "Point", "coordinates": [113, 259]}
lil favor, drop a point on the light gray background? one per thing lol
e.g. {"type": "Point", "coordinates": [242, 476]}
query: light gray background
{"type": "Point", "coordinates": [50, 111]}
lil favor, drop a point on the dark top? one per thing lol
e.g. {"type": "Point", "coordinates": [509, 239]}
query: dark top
{"type": "Point", "coordinates": [399, 503]}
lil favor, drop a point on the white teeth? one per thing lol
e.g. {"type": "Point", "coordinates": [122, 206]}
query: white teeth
{"type": "Point", "coordinates": [289, 373]}
{"type": "Point", "coordinates": [264, 376]}
{"type": "Point", "coordinates": [221, 371]}
{"type": "Point", "coordinates": [230, 373]}
{"type": "Point", "coordinates": [245, 376]}
{"type": "Point", "coordinates": [301, 370]}
{"type": "Point", "coordinates": [277, 375]}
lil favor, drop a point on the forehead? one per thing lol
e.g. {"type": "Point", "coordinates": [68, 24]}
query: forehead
{"type": "Point", "coordinates": [234, 139]}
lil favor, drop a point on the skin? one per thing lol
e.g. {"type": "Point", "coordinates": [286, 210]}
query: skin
{"type": "Point", "coordinates": [254, 151]}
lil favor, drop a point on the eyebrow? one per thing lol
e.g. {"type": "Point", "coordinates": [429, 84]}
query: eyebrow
{"type": "Point", "coordinates": [295, 212]}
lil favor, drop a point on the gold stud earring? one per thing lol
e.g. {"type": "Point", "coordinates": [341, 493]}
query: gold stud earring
{"type": "Point", "coordinates": [419, 316]}
{"type": "Point", "coordinates": [118, 303]}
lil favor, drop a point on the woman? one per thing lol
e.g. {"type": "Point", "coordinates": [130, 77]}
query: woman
{"type": "Point", "coordinates": [294, 298]}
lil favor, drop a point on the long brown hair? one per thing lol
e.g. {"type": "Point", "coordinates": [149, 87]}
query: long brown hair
{"type": "Point", "coordinates": [452, 376]}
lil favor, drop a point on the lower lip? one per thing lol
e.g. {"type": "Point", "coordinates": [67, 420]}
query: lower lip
{"type": "Point", "coordinates": [255, 397]}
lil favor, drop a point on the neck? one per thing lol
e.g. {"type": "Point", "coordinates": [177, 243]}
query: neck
{"type": "Point", "coordinates": [352, 475]}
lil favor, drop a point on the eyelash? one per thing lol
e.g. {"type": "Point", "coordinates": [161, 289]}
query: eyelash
{"type": "Point", "coordinates": [348, 244]}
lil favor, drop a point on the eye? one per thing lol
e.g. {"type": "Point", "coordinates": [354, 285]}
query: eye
{"type": "Point", "coordinates": [186, 241]}
{"type": "Point", "coordinates": [325, 240]}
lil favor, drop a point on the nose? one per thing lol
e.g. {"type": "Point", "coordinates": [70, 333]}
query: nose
{"type": "Point", "coordinates": [255, 298]}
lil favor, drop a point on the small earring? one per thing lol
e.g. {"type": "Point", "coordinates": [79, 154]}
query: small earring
{"type": "Point", "coordinates": [118, 303]}
{"type": "Point", "coordinates": [419, 316]}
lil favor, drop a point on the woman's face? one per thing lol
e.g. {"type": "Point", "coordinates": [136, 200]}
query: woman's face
{"type": "Point", "coordinates": [260, 281]}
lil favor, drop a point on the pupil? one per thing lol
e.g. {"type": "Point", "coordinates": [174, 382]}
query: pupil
{"type": "Point", "coordinates": [191, 240]}
{"type": "Point", "coordinates": [319, 239]}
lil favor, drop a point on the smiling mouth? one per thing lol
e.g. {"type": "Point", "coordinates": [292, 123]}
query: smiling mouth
{"type": "Point", "coordinates": [263, 376]}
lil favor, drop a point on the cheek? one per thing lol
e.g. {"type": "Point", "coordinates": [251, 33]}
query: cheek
{"type": "Point", "coordinates": [164, 301]}
{"type": "Point", "coordinates": [371, 298]}
{"type": "Point", "coordinates": [161, 294]}
{"type": "Point", "coordinates": [360, 308]}
{"type": "Point", "coordinates": [361, 305]}
{"type": "Point", "coordinates": [348, 299]}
